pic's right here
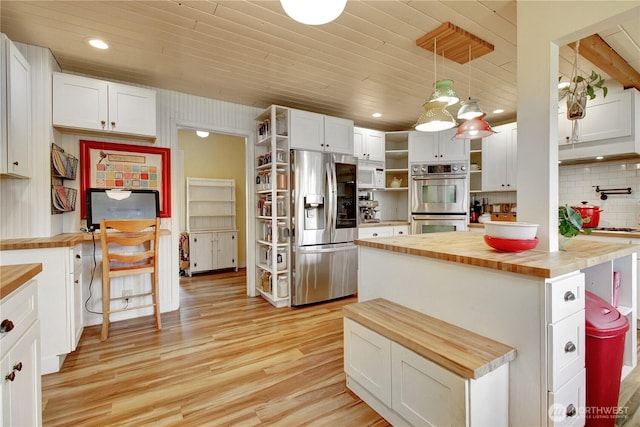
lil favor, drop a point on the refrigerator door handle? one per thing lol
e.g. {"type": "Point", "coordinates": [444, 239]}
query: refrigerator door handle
{"type": "Point", "coordinates": [331, 190]}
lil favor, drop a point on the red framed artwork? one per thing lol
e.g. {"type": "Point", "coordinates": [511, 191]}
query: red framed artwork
{"type": "Point", "coordinates": [132, 167]}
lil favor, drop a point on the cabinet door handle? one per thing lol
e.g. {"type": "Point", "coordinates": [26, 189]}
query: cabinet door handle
{"type": "Point", "coordinates": [103, 123]}
{"type": "Point", "coordinates": [569, 296]}
{"type": "Point", "coordinates": [10, 377]}
{"type": "Point", "coordinates": [569, 347]}
{"type": "Point", "coordinates": [16, 163]}
{"type": "Point", "coordinates": [400, 232]}
{"type": "Point", "coordinates": [17, 367]}
{"type": "Point", "coordinates": [6, 326]}
{"type": "Point", "coordinates": [113, 124]}
{"type": "Point", "coordinates": [571, 410]}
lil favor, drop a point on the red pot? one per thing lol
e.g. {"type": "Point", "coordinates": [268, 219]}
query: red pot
{"type": "Point", "coordinates": [588, 211]}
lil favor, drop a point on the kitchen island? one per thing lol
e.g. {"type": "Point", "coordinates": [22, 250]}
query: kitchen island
{"type": "Point", "coordinates": [532, 301]}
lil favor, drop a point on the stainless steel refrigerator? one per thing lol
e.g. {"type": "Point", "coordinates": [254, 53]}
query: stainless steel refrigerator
{"type": "Point", "coordinates": [324, 225]}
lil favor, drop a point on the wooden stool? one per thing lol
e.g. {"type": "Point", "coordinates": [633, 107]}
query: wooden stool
{"type": "Point", "coordinates": [127, 235]}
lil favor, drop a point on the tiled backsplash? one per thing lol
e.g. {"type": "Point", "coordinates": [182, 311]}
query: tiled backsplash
{"type": "Point", "coordinates": [577, 183]}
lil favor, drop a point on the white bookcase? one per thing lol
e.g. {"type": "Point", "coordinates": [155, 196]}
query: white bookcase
{"type": "Point", "coordinates": [273, 220]}
{"type": "Point", "coordinates": [211, 224]}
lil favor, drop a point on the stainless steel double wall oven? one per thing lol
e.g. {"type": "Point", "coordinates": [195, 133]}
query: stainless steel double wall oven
{"type": "Point", "coordinates": [439, 197]}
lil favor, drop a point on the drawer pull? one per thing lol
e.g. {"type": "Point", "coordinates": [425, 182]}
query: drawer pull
{"type": "Point", "coordinates": [10, 377]}
{"type": "Point", "coordinates": [375, 234]}
{"type": "Point", "coordinates": [569, 347]}
{"type": "Point", "coordinates": [571, 410]}
{"type": "Point", "coordinates": [569, 296]}
{"type": "Point", "coordinates": [6, 326]}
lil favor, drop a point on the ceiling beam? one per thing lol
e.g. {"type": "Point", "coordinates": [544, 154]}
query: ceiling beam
{"type": "Point", "coordinates": [595, 50]}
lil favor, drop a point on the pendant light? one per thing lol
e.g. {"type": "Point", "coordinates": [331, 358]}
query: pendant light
{"type": "Point", "coordinates": [435, 118]}
{"type": "Point", "coordinates": [474, 128]}
{"type": "Point", "coordinates": [313, 12]}
{"type": "Point", "coordinates": [470, 108]}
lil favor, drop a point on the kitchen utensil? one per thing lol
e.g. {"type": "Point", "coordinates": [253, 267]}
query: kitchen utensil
{"type": "Point", "coordinates": [511, 245]}
{"type": "Point", "coordinates": [590, 212]}
{"type": "Point", "coordinates": [510, 230]}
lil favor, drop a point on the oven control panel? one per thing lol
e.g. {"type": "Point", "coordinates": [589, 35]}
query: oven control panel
{"type": "Point", "coordinates": [427, 169]}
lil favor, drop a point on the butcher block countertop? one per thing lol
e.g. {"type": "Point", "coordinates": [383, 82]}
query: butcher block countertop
{"type": "Point", "coordinates": [58, 241]}
{"type": "Point", "coordinates": [470, 248]}
{"type": "Point", "coordinates": [14, 276]}
{"type": "Point", "coordinates": [608, 233]}
{"type": "Point", "coordinates": [459, 350]}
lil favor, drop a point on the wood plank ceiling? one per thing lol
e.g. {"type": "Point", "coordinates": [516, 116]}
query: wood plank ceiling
{"type": "Point", "coordinates": [252, 53]}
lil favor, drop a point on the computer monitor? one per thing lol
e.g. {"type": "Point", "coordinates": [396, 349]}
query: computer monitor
{"type": "Point", "coordinates": [120, 204]}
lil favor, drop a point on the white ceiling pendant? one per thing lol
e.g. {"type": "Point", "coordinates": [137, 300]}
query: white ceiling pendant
{"type": "Point", "coordinates": [313, 12]}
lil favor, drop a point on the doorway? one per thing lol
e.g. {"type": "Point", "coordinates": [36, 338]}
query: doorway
{"type": "Point", "coordinates": [219, 156]}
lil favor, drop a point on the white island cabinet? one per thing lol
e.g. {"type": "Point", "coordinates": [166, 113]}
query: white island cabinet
{"type": "Point", "coordinates": [532, 301]}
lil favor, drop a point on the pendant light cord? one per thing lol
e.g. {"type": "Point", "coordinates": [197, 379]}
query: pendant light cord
{"type": "Point", "coordinates": [469, 69]}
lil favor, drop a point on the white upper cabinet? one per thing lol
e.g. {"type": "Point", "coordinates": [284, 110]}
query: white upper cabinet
{"type": "Point", "coordinates": [606, 118]}
{"type": "Point", "coordinates": [83, 103]}
{"type": "Point", "coordinates": [499, 159]}
{"type": "Point", "coordinates": [15, 111]}
{"type": "Point", "coordinates": [610, 127]}
{"type": "Point", "coordinates": [313, 131]}
{"type": "Point", "coordinates": [437, 147]}
{"type": "Point", "coordinates": [368, 144]}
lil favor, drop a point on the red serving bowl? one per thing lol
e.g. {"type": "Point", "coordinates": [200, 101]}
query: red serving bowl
{"type": "Point", "coordinates": [511, 245]}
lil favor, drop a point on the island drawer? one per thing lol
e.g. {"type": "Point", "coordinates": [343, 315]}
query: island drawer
{"type": "Point", "coordinates": [565, 296]}
{"type": "Point", "coordinates": [566, 405]}
{"type": "Point", "coordinates": [566, 349]}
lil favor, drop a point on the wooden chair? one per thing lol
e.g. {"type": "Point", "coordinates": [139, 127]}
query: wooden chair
{"type": "Point", "coordinates": [123, 256]}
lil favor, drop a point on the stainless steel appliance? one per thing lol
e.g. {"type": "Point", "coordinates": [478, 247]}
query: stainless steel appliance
{"type": "Point", "coordinates": [324, 224]}
{"type": "Point", "coordinates": [439, 197]}
{"type": "Point", "coordinates": [367, 207]}
{"type": "Point", "coordinates": [370, 174]}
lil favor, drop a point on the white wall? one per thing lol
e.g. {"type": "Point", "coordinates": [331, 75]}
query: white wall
{"type": "Point", "coordinates": [577, 184]}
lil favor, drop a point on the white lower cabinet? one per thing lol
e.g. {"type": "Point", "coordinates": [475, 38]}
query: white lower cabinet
{"type": "Point", "coordinates": [410, 390]}
{"type": "Point", "coordinates": [60, 296]}
{"type": "Point", "coordinates": [383, 231]}
{"type": "Point", "coordinates": [425, 394]}
{"type": "Point", "coordinates": [213, 250]}
{"type": "Point", "coordinates": [20, 392]}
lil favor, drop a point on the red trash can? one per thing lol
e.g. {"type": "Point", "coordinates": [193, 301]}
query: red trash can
{"type": "Point", "coordinates": [604, 350]}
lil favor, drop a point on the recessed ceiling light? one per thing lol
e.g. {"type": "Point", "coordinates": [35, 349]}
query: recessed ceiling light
{"type": "Point", "coordinates": [599, 157]}
{"type": "Point", "coordinates": [98, 44]}
{"type": "Point", "coordinates": [202, 133]}
{"type": "Point", "coordinates": [376, 115]}
{"type": "Point", "coordinates": [498, 111]}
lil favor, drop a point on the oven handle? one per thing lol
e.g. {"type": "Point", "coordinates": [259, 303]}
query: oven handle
{"type": "Point", "coordinates": [461, 217]}
{"type": "Point", "coordinates": [433, 177]}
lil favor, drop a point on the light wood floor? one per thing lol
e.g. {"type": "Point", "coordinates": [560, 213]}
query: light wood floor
{"type": "Point", "coordinates": [222, 359]}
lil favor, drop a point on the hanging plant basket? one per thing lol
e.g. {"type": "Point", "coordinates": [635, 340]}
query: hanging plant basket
{"type": "Point", "coordinates": [576, 105]}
